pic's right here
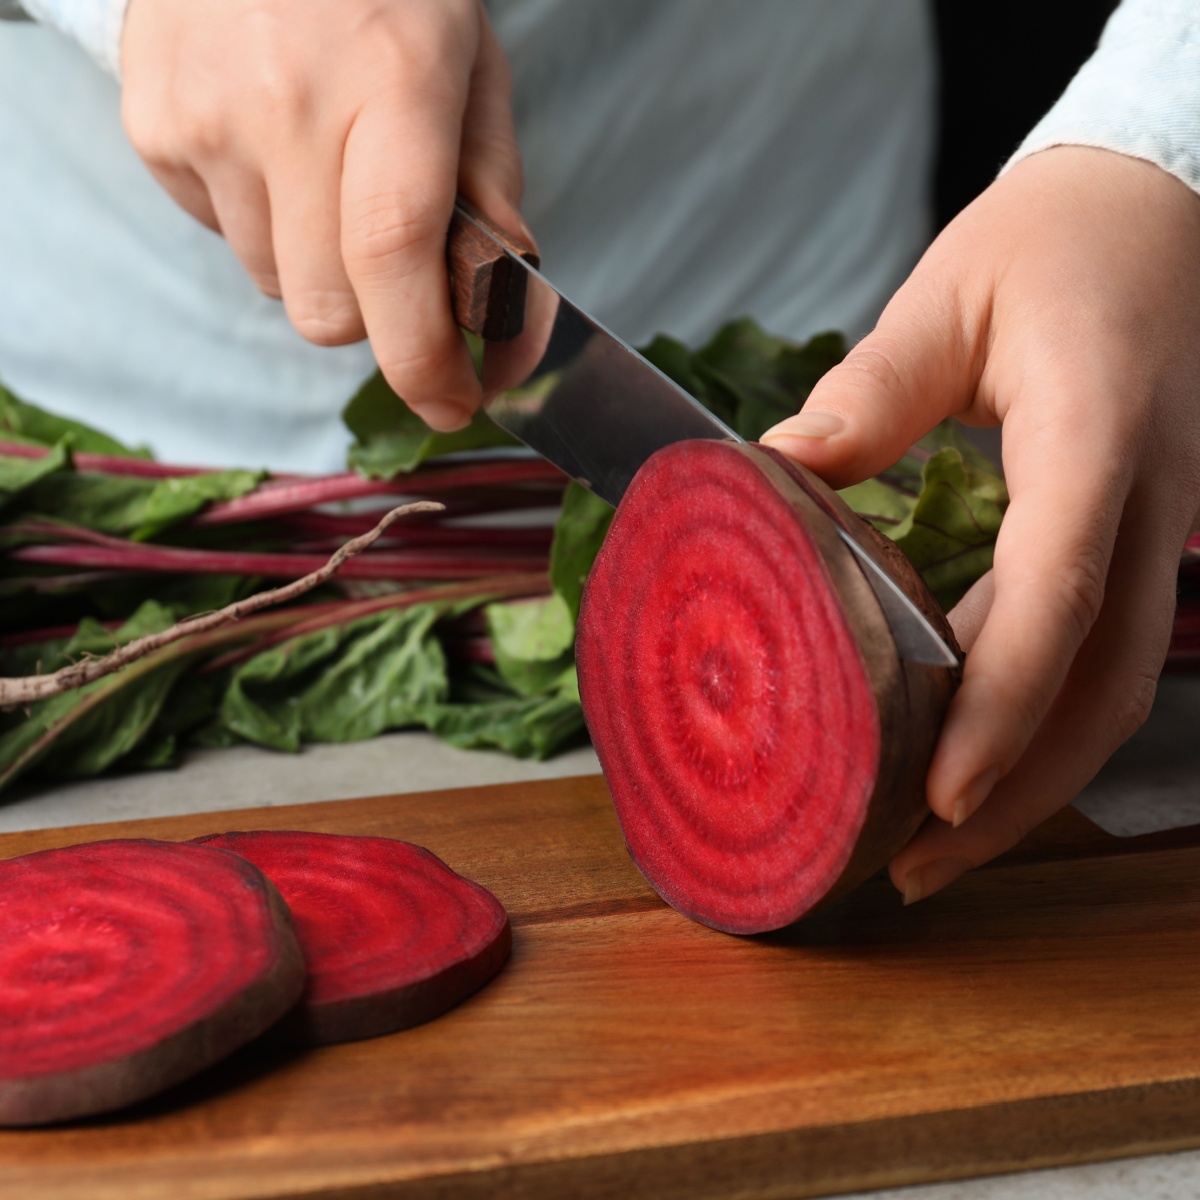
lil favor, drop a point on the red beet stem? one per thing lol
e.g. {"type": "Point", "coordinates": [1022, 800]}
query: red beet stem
{"type": "Point", "coordinates": [30, 637]}
{"type": "Point", "coordinates": [107, 464]}
{"type": "Point", "coordinates": [127, 966]}
{"type": "Point", "coordinates": [313, 618]}
{"type": "Point", "coordinates": [391, 935]}
{"type": "Point", "coordinates": [394, 565]}
{"type": "Point", "coordinates": [432, 533]}
{"type": "Point", "coordinates": [276, 498]}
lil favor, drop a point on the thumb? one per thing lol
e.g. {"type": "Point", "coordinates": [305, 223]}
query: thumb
{"type": "Point", "coordinates": [917, 367]}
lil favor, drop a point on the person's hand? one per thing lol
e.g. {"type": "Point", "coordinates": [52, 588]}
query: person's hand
{"type": "Point", "coordinates": [326, 140]}
{"type": "Point", "coordinates": [1064, 303]}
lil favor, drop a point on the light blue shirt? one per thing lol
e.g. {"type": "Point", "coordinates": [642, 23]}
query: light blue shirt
{"type": "Point", "coordinates": [1138, 94]}
{"type": "Point", "coordinates": [687, 161]}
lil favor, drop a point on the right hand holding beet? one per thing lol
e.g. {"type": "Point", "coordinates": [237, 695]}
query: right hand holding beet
{"type": "Point", "coordinates": [326, 140]}
{"type": "Point", "coordinates": [1063, 304]}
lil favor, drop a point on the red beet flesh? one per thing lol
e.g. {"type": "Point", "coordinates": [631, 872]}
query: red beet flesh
{"type": "Point", "coordinates": [391, 935]}
{"type": "Point", "coordinates": [127, 966]}
{"type": "Point", "coordinates": [763, 743]}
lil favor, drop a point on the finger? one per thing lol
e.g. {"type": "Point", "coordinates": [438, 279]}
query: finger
{"type": "Point", "coordinates": [968, 615]}
{"type": "Point", "coordinates": [1104, 700]}
{"type": "Point", "coordinates": [243, 213]}
{"type": "Point", "coordinates": [1051, 562]}
{"type": "Point", "coordinates": [398, 189]}
{"type": "Point", "coordinates": [187, 189]}
{"type": "Point", "coordinates": [921, 364]}
{"type": "Point", "coordinates": [305, 197]}
{"type": "Point", "coordinates": [489, 168]}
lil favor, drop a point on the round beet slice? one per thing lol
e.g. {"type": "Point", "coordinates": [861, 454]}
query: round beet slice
{"type": "Point", "coordinates": [764, 744]}
{"type": "Point", "coordinates": [127, 966]}
{"type": "Point", "coordinates": [391, 935]}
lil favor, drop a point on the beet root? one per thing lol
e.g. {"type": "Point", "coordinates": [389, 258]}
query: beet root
{"type": "Point", "coordinates": [764, 744]}
{"type": "Point", "coordinates": [127, 966]}
{"type": "Point", "coordinates": [391, 935]}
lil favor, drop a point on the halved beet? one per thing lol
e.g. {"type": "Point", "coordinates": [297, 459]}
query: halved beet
{"type": "Point", "coordinates": [128, 966]}
{"type": "Point", "coordinates": [765, 746]}
{"type": "Point", "coordinates": [392, 936]}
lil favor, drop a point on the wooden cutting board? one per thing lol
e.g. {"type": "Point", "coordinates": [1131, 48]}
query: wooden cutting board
{"type": "Point", "coordinates": [1043, 1010]}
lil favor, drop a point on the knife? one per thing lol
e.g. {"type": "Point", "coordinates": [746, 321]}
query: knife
{"type": "Point", "coordinates": [574, 392]}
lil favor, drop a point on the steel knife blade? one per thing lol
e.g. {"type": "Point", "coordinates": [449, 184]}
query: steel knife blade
{"type": "Point", "coordinates": [575, 393]}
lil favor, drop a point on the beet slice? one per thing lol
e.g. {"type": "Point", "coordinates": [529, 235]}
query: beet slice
{"type": "Point", "coordinates": [127, 966]}
{"type": "Point", "coordinates": [392, 936]}
{"type": "Point", "coordinates": [765, 746]}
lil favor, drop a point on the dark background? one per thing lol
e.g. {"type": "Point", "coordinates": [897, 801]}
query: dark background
{"type": "Point", "coordinates": [1002, 66]}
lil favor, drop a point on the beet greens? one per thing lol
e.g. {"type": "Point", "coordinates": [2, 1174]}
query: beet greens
{"type": "Point", "coordinates": [462, 622]}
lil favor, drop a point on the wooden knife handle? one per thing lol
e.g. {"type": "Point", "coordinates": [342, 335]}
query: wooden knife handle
{"type": "Point", "coordinates": [486, 290]}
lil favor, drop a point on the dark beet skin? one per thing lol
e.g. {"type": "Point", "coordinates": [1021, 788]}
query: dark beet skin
{"type": "Point", "coordinates": [764, 744]}
{"type": "Point", "coordinates": [127, 966]}
{"type": "Point", "coordinates": [392, 936]}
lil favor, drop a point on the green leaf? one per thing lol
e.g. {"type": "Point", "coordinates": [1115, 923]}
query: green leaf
{"type": "Point", "coordinates": [109, 732]}
{"type": "Point", "coordinates": [526, 727]}
{"type": "Point", "coordinates": [390, 439]}
{"type": "Point", "coordinates": [340, 684]}
{"type": "Point", "coordinates": [131, 506]}
{"type": "Point", "coordinates": [155, 753]}
{"type": "Point", "coordinates": [533, 641]}
{"type": "Point", "coordinates": [948, 528]}
{"type": "Point", "coordinates": [91, 638]}
{"type": "Point", "coordinates": [952, 532]}
{"type": "Point", "coordinates": [87, 738]}
{"type": "Point", "coordinates": [762, 378]}
{"type": "Point", "coordinates": [91, 728]}
{"type": "Point", "coordinates": [677, 362]}
{"type": "Point", "coordinates": [19, 474]}
{"type": "Point", "coordinates": [578, 535]}
{"type": "Point", "coordinates": [32, 658]}
{"type": "Point", "coordinates": [174, 500]}
{"type": "Point", "coordinates": [747, 377]}
{"type": "Point", "coordinates": [25, 422]}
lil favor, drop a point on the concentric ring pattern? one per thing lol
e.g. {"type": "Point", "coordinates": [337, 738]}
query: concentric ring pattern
{"type": "Point", "coordinates": [725, 692]}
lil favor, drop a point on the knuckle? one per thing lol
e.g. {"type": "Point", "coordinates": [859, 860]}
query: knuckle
{"type": "Point", "coordinates": [325, 318]}
{"type": "Point", "coordinates": [143, 129]}
{"type": "Point", "coordinates": [282, 94]}
{"type": "Point", "coordinates": [416, 371]}
{"type": "Point", "coordinates": [1025, 708]}
{"type": "Point", "coordinates": [150, 134]}
{"type": "Point", "coordinates": [422, 48]}
{"type": "Point", "coordinates": [201, 132]}
{"type": "Point", "coordinates": [384, 231]}
{"type": "Point", "coordinates": [876, 367]}
{"type": "Point", "coordinates": [1079, 591]}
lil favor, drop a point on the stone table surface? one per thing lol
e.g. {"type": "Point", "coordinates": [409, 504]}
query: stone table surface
{"type": "Point", "coordinates": [1153, 782]}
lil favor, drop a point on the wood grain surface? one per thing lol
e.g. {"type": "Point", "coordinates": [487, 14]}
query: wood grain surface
{"type": "Point", "coordinates": [487, 290]}
{"type": "Point", "coordinates": [1042, 1010]}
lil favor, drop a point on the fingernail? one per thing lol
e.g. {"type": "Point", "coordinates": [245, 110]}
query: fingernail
{"type": "Point", "coordinates": [974, 794]}
{"type": "Point", "coordinates": [805, 424]}
{"type": "Point", "coordinates": [932, 877]}
{"type": "Point", "coordinates": [444, 416]}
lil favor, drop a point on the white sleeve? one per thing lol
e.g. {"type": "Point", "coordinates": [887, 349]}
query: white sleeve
{"type": "Point", "coordinates": [1138, 94]}
{"type": "Point", "coordinates": [95, 24]}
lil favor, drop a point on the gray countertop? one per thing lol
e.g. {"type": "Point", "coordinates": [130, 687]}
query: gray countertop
{"type": "Point", "coordinates": [1153, 782]}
